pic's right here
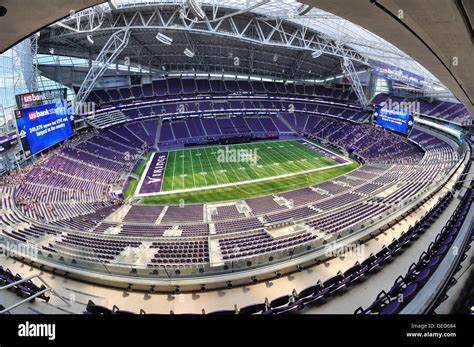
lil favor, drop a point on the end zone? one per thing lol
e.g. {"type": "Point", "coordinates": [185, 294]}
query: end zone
{"type": "Point", "coordinates": [152, 178]}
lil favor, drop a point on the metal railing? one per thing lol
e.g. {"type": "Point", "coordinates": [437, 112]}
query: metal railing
{"type": "Point", "coordinates": [46, 289]}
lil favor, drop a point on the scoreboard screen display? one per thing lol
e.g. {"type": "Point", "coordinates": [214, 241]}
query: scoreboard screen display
{"type": "Point", "coordinates": [393, 119]}
{"type": "Point", "coordinates": [41, 127]}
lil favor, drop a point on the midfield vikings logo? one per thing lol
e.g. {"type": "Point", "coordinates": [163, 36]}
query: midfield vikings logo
{"type": "Point", "coordinates": [240, 155]}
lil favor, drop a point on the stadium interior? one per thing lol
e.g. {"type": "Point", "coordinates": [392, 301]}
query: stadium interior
{"type": "Point", "coordinates": [237, 157]}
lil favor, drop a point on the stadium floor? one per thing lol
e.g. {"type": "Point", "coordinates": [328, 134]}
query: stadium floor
{"type": "Point", "coordinates": [219, 173]}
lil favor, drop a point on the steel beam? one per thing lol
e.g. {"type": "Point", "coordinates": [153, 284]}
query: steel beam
{"type": "Point", "coordinates": [114, 46]}
{"type": "Point", "coordinates": [351, 72]}
{"type": "Point", "coordinates": [255, 29]}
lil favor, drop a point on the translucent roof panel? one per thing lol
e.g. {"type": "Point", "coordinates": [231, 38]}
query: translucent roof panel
{"type": "Point", "coordinates": [329, 25]}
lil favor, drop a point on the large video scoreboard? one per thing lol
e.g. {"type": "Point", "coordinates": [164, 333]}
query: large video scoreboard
{"type": "Point", "coordinates": [41, 127]}
{"type": "Point", "coordinates": [43, 119]}
{"type": "Point", "coordinates": [393, 119]}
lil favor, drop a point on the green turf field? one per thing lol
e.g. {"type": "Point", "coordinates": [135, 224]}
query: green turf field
{"type": "Point", "coordinates": [132, 185]}
{"type": "Point", "coordinates": [203, 170]}
{"type": "Point", "coordinates": [220, 165]}
{"type": "Point", "coordinates": [251, 190]}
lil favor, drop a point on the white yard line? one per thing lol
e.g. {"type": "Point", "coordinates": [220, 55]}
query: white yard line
{"type": "Point", "coordinates": [324, 148]}
{"type": "Point", "coordinates": [234, 144]}
{"type": "Point", "coordinates": [202, 168]}
{"type": "Point", "coordinates": [174, 171]}
{"type": "Point", "coordinates": [245, 182]}
{"type": "Point", "coordinates": [182, 169]}
{"type": "Point", "coordinates": [282, 154]}
{"type": "Point", "coordinates": [224, 171]}
{"type": "Point", "coordinates": [268, 164]}
{"type": "Point", "coordinates": [268, 161]}
{"type": "Point", "coordinates": [210, 166]}
{"type": "Point", "coordinates": [192, 169]}
{"type": "Point", "coordinates": [236, 173]}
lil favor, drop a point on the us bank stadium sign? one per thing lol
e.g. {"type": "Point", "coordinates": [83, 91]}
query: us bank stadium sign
{"type": "Point", "coordinates": [396, 74]}
{"type": "Point", "coordinates": [40, 98]}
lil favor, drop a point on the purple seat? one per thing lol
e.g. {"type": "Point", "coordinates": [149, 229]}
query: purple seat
{"type": "Point", "coordinates": [253, 309]}
{"type": "Point", "coordinates": [392, 307]}
{"type": "Point", "coordinates": [409, 292]}
{"type": "Point", "coordinates": [422, 277]}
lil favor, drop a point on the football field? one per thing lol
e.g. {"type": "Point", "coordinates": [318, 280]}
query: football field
{"type": "Point", "coordinates": [222, 165]}
{"type": "Point", "coordinates": [231, 167]}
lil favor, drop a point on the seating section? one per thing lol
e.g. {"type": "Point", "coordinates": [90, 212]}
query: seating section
{"type": "Point", "coordinates": [91, 249]}
{"type": "Point", "coordinates": [260, 243]}
{"type": "Point", "coordinates": [371, 143]}
{"type": "Point", "coordinates": [450, 111]}
{"type": "Point", "coordinates": [180, 253]}
{"type": "Point", "coordinates": [69, 189]}
{"type": "Point", "coordinates": [226, 212]}
{"type": "Point", "coordinates": [238, 225]}
{"type": "Point", "coordinates": [187, 97]}
{"type": "Point", "coordinates": [72, 184]}
{"type": "Point", "coordinates": [419, 272]}
{"type": "Point", "coordinates": [187, 213]}
{"type": "Point", "coordinates": [24, 289]}
{"type": "Point", "coordinates": [64, 203]}
{"type": "Point", "coordinates": [245, 246]}
{"type": "Point", "coordinates": [143, 214]}
{"type": "Point", "coordinates": [175, 87]}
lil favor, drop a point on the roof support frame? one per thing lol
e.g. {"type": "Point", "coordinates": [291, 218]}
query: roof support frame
{"type": "Point", "coordinates": [289, 36]}
{"type": "Point", "coordinates": [114, 46]}
{"type": "Point", "coordinates": [349, 69]}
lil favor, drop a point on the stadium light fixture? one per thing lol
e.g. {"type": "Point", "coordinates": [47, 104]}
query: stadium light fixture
{"type": "Point", "coordinates": [196, 9]}
{"type": "Point", "coordinates": [317, 54]}
{"type": "Point", "coordinates": [345, 62]}
{"type": "Point", "coordinates": [303, 9]}
{"type": "Point", "coordinates": [113, 4]}
{"type": "Point", "coordinates": [188, 53]}
{"type": "Point", "coordinates": [89, 38]}
{"type": "Point", "coordinates": [164, 39]}
{"type": "Point", "coordinates": [182, 12]}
